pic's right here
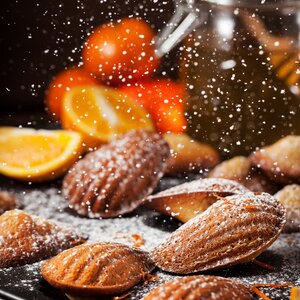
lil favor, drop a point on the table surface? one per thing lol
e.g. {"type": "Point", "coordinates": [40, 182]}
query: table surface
{"type": "Point", "coordinates": [45, 200]}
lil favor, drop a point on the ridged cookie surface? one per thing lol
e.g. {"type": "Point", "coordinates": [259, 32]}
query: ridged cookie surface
{"type": "Point", "coordinates": [114, 179]}
{"type": "Point", "coordinates": [28, 239]}
{"type": "Point", "coordinates": [233, 230]}
{"type": "Point", "coordinates": [213, 185]}
{"type": "Point", "coordinates": [97, 269]}
{"type": "Point", "coordinates": [187, 200]}
{"type": "Point", "coordinates": [201, 287]}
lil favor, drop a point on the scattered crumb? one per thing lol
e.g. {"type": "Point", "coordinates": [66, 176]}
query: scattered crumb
{"type": "Point", "coordinates": [284, 255]}
{"type": "Point", "coordinates": [139, 241]}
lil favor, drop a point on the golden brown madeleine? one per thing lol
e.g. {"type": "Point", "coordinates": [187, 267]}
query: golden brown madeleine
{"type": "Point", "coordinates": [239, 169]}
{"type": "Point", "coordinates": [233, 230]}
{"type": "Point", "coordinates": [281, 160]}
{"type": "Point", "coordinates": [7, 201]}
{"type": "Point", "coordinates": [201, 287]}
{"type": "Point", "coordinates": [188, 155]}
{"type": "Point", "coordinates": [189, 199]}
{"type": "Point", "coordinates": [28, 239]}
{"type": "Point", "coordinates": [114, 179]}
{"type": "Point", "coordinates": [97, 269]}
{"type": "Point", "coordinates": [236, 168]}
{"type": "Point", "coordinates": [289, 197]}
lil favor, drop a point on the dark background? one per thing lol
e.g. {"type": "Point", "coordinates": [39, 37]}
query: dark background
{"type": "Point", "coordinates": [39, 38]}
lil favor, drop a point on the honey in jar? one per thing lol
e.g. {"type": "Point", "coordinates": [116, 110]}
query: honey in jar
{"type": "Point", "coordinates": [240, 65]}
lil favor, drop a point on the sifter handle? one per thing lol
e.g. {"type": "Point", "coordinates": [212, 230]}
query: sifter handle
{"type": "Point", "coordinates": [183, 22]}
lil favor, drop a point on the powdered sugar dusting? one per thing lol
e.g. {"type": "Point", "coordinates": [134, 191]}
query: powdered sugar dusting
{"type": "Point", "coordinates": [283, 255]}
{"type": "Point", "coordinates": [98, 230]}
{"type": "Point", "coordinates": [118, 264]}
{"type": "Point", "coordinates": [233, 230]}
{"type": "Point", "coordinates": [281, 160]}
{"type": "Point", "coordinates": [27, 238]}
{"type": "Point", "coordinates": [211, 185]}
{"type": "Point", "coordinates": [114, 179]}
{"type": "Point", "coordinates": [220, 288]}
{"type": "Point", "coordinates": [261, 201]}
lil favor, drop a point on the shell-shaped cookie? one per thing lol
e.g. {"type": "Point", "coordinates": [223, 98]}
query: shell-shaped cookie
{"type": "Point", "coordinates": [236, 168]}
{"type": "Point", "coordinates": [281, 160]}
{"type": "Point", "coordinates": [28, 239]}
{"type": "Point", "coordinates": [97, 269]}
{"type": "Point", "coordinates": [201, 287]}
{"type": "Point", "coordinates": [188, 155]}
{"type": "Point", "coordinates": [187, 200]}
{"type": "Point", "coordinates": [239, 169]}
{"type": "Point", "coordinates": [233, 230]}
{"type": "Point", "coordinates": [114, 179]}
{"type": "Point", "coordinates": [289, 197]}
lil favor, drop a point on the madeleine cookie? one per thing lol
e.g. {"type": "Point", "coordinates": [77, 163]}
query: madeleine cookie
{"type": "Point", "coordinates": [188, 155]}
{"type": "Point", "coordinates": [114, 179]}
{"type": "Point", "coordinates": [280, 161]}
{"type": "Point", "coordinates": [97, 269]}
{"type": "Point", "coordinates": [201, 287]}
{"type": "Point", "coordinates": [189, 199]}
{"type": "Point", "coordinates": [239, 169]}
{"type": "Point", "coordinates": [234, 230]}
{"type": "Point", "coordinates": [28, 239]}
{"type": "Point", "coordinates": [289, 197]}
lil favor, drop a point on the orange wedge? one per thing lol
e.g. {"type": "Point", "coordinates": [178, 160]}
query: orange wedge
{"type": "Point", "coordinates": [37, 155]}
{"type": "Point", "coordinates": [101, 113]}
{"type": "Point", "coordinates": [295, 293]}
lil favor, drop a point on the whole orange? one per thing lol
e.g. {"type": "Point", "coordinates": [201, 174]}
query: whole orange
{"type": "Point", "coordinates": [121, 52]}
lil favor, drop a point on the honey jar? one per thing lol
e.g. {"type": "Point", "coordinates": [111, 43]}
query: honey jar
{"type": "Point", "coordinates": [240, 65]}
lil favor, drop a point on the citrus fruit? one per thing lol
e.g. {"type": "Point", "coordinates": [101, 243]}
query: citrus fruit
{"type": "Point", "coordinates": [61, 84]}
{"type": "Point", "coordinates": [37, 155]}
{"type": "Point", "coordinates": [295, 293]}
{"type": "Point", "coordinates": [101, 113]}
{"type": "Point", "coordinates": [121, 52]}
{"type": "Point", "coordinates": [163, 99]}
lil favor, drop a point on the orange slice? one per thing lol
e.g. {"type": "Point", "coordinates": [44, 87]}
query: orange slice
{"type": "Point", "coordinates": [36, 155]}
{"type": "Point", "coordinates": [101, 113]}
{"type": "Point", "coordinates": [295, 293]}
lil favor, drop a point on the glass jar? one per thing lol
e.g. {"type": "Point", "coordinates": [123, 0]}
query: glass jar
{"type": "Point", "coordinates": [240, 65]}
